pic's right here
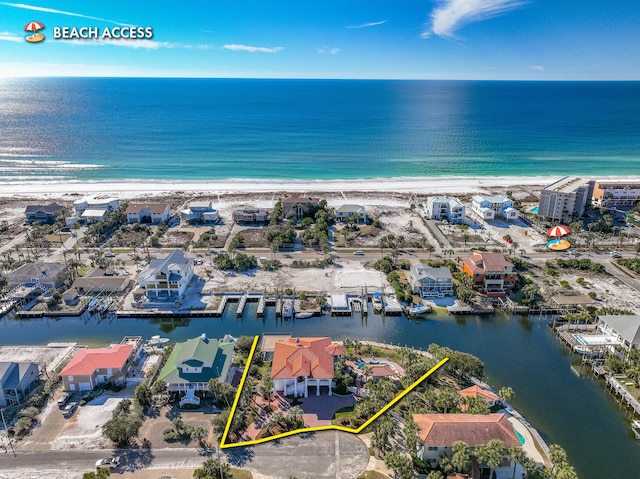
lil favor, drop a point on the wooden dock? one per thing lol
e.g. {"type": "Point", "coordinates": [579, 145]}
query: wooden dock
{"type": "Point", "coordinates": [460, 307]}
{"type": "Point", "coordinates": [625, 397]}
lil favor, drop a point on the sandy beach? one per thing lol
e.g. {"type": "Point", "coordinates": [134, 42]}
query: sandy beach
{"type": "Point", "coordinates": [427, 186]}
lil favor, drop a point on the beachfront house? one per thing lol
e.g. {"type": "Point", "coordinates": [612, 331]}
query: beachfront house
{"type": "Point", "coordinates": [44, 275]}
{"type": "Point", "coordinates": [150, 213]}
{"type": "Point", "coordinates": [200, 211]}
{"type": "Point", "coordinates": [346, 212]}
{"type": "Point", "coordinates": [16, 381]}
{"type": "Point", "coordinates": [91, 367]}
{"type": "Point", "coordinates": [92, 203]}
{"type": "Point", "coordinates": [492, 207]}
{"type": "Point", "coordinates": [251, 216]}
{"type": "Point", "coordinates": [438, 433]}
{"type": "Point", "coordinates": [445, 208]}
{"type": "Point", "coordinates": [193, 363]}
{"type": "Point", "coordinates": [298, 206]}
{"type": "Point", "coordinates": [302, 363]}
{"type": "Point", "coordinates": [168, 277]}
{"type": "Point", "coordinates": [491, 273]}
{"type": "Point", "coordinates": [564, 200]}
{"type": "Point", "coordinates": [626, 327]}
{"type": "Point", "coordinates": [431, 282]}
{"type": "Point", "coordinates": [43, 213]}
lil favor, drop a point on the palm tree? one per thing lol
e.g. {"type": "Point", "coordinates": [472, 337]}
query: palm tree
{"type": "Point", "coordinates": [430, 248]}
{"type": "Point", "coordinates": [516, 455]}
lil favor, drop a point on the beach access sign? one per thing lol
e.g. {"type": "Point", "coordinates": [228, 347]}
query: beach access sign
{"type": "Point", "coordinates": [128, 32]}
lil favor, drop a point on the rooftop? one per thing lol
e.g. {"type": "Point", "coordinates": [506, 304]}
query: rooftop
{"type": "Point", "coordinates": [302, 357]}
{"type": "Point", "coordinates": [86, 361]}
{"type": "Point", "coordinates": [568, 184]}
{"type": "Point", "coordinates": [51, 208]}
{"type": "Point", "coordinates": [421, 271]}
{"type": "Point", "coordinates": [154, 208]}
{"type": "Point", "coordinates": [473, 429]}
{"type": "Point", "coordinates": [39, 270]}
{"type": "Point", "coordinates": [627, 326]}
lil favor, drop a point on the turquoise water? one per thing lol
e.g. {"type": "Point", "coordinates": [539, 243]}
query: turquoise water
{"type": "Point", "coordinates": [204, 129]}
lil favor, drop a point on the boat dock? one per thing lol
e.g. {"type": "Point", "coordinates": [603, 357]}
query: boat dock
{"type": "Point", "coordinates": [613, 383]}
{"type": "Point", "coordinates": [460, 307]}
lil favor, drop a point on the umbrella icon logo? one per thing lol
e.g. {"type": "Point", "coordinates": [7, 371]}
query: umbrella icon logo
{"type": "Point", "coordinates": [33, 28]}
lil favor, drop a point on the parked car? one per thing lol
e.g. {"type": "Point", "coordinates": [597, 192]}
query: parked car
{"type": "Point", "coordinates": [615, 254]}
{"type": "Point", "coordinates": [110, 254]}
{"type": "Point", "coordinates": [359, 253]}
{"type": "Point", "coordinates": [69, 409]}
{"type": "Point", "coordinates": [108, 463]}
{"type": "Point", "coordinates": [64, 399]}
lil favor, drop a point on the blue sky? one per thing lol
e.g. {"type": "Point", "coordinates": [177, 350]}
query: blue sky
{"type": "Point", "coordinates": [441, 39]}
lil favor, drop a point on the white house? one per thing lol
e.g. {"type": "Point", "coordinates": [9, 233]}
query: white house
{"type": "Point", "coordinates": [91, 203]}
{"type": "Point", "coordinates": [349, 211]}
{"type": "Point", "coordinates": [302, 363]}
{"type": "Point", "coordinates": [46, 275]}
{"type": "Point", "coordinates": [445, 207]}
{"type": "Point", "coordinates": [200, 210]}
{"type": "Point", "coordinates": [431, 282]}
{"type": "Point", "coordinates": [168, 277]}
{"type": "Point", "coordinates": [154, 213]}
{"type": "Point", "coordinates": [625, 327]}
{"type": "Point", "coordinates": [490, 207]}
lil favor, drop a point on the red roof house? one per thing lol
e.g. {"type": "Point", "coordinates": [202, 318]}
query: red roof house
{"type": "Point", "coordinates": [91, 367]}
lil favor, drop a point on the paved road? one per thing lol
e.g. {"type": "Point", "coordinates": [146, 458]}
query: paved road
{"type": "Point", "coordinates": [326, 454]}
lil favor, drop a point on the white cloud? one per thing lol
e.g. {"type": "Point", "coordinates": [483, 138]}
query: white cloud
{"type": "Point", "coordinates": [370, 24]}
{"type": "Point", "coordinates": [247, 48]}
{"type": "Point", "coordinates": [539, 68]}
{"type": "Point", "coordinates": [10, 37]}
{"type": "Point", "coordinates": [328, 50]}
{"type": "Point", "coordinates": [141, 43]}
{"type": "Point", "coordinates": [61, 12]}
{"type": "Point", "coordinates": [452, 15]}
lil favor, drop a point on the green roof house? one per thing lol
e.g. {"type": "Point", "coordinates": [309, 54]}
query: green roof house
{"type": "Point", "coordinates": [193, 363]}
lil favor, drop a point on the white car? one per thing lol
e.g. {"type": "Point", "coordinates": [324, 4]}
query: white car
{"type": "Point", "coordinates": [108, 463]}
{"type": "Point", "coordinates": [359, 253]}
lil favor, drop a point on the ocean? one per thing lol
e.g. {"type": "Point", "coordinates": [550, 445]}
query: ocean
{"type": "Point", "coordinates": [79, 129]}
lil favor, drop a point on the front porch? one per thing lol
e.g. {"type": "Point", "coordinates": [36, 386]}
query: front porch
{"type": "Point", "coordinates": [298, 387]}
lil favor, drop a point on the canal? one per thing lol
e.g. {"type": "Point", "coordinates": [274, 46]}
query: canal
{"type": "Point", "coordinates": [569, 409]}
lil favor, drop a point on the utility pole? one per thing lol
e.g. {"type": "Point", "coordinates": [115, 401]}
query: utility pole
{"type": "Point", "coordinates": [4, 422]}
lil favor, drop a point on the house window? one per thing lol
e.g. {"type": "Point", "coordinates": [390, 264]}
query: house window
{"type": "Point", "coordinates": [433, 448]}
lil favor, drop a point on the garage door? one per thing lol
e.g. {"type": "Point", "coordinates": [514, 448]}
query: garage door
{"type": "Point", "coordinates": [85, 386]}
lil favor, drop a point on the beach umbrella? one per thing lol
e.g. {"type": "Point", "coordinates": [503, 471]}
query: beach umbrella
{"type": "Point", "coordinates": [33, 27]}
{"type": "Point", "coordinates": [557, 231]}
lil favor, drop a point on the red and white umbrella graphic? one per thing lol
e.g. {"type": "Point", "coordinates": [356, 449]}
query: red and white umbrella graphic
{"type": "Point", "coordinates": [558, 231]}
{"type": "Point", "coordinates": [33, 27]}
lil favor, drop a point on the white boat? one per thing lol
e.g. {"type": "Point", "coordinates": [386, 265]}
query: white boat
{"type": "Point", "coordinates": [376, 300]}
{"type": "Point", "coordinates": [287, 308]}
{"type": "Point", "coordinates": [303, 315]}
{"type": "Point", "coordinates": [155, 340]}
{"type": "Point", "coordinates": [418, 310]}
{"type": "Point", "coordinates": [635, 427]}
{"type": "Point", "coordinates": [585, 351]}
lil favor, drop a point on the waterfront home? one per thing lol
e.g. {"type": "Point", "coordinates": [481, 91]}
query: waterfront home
{"type": "Point", "coordinates": [91, 367]}
{"type": "Point", "coordinates": [303, 363]}
{"type": "Point", "coordinates": [445, 208]}
{"type": "Point", "coordinates": [625, 327]}
{"type": "Point", "coordinates": [193, 363]}
{"type": "Point", "coordinates": [345, 212]}
{"type": "Point", "coordinates": [491, 207]}
{"type": "Point", "coordinates": [150, 213]}
{"type": "Point", "coordinates": [564, 200]}
{"type": "Point", "coordinates": [251, 216]}
{"type": "Point", "coordinates": [71, 297]}
{"type": "Point", "coordinates": [100, 280]}
{"type": "Point", "coordinates": [491, 398]}
{"type": "Point", "coordinates": [91, 215]}
{"type": "Point", "coordinates": [44, 275]}
{"type": "Point", "coordinates": [92, 203]}
{"type": "Point", "coordinates": [615, 193]}
{"type": "Point", "coordinates": [16, 380]}
{"type": "Point", "coordinates": [200, 211]}
{"type": "Point", "coordinates": [438, 433]}
{"type": "Point", "coordinates": [430, 282]}
{"type": "Point", "coordinates": [43, 213]}
{"type": "Point", "coordinates": [168, 277]}
{"type": "Point", "coordinates": [491, 273]}
{"type": "Point", "coordinates": [298, 206]}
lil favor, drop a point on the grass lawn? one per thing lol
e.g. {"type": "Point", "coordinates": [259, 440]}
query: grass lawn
{"type": "Point", "coordinates": [372, 475]}
{"type": "Point", "coordinates": [343, 413]}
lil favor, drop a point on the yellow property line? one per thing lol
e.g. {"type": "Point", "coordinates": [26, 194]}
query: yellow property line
{"type": "Point", "coordinates": [224, 445]}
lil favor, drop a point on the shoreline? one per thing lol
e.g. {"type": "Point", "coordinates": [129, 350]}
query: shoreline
{"type": "Point", "coordinates": [414, 185]}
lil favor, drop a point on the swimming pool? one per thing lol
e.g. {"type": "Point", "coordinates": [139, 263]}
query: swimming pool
{"type": "Point", "coordinates": [373, 363]}
{"type": "Point", "coordinates": [519, 436]}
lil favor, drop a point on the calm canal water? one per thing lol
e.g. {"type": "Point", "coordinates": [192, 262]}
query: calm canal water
{"type": "Point", "coordinates": [567, 409]}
